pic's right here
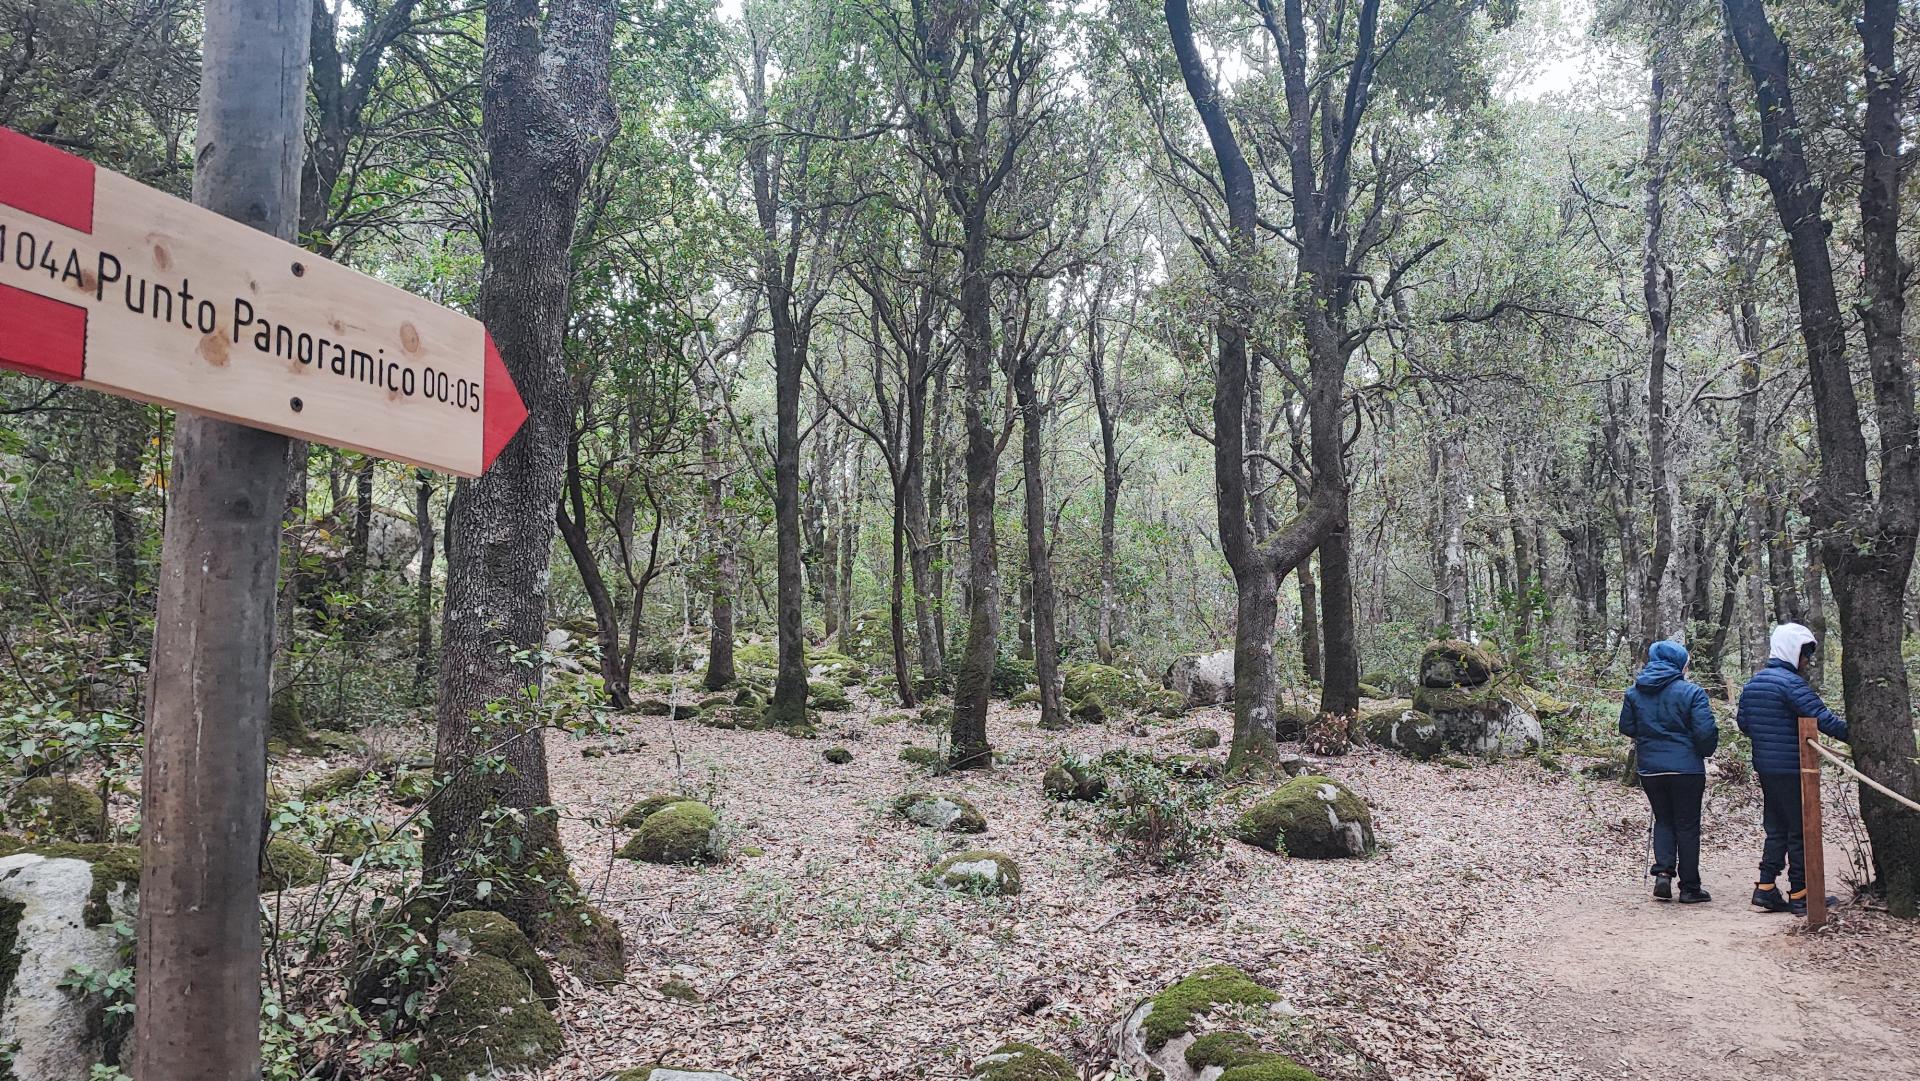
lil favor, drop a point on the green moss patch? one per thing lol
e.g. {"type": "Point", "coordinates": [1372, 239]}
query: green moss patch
{"type": "Point", "coordinates": [1175, 1009]}
{"type": "Point", "coordinates": [116, 868]}
{"type": "Point", "coordinates": [641, 811]}
{"type": "Point", "coordinates": [475, 933]}
{"type": "Point", "coordinates": [839, 756]}
{"type": "Point", "coordinates": [1241, 1059]}
{"type": "Point", "coordinates": [488, 1019]}
{"type": "Point", "coordinates": [1069, 779]}
{"type": "Point", "coordinates": [1310, 817]}
{"type": "Point", "coordinates": [59, 808]}
{"type": "Point", "coordinates": [1022, 1062]}
{"type": "Point", "coordinates": [332, 783]}
{"type": "Point", "coordinates": [1110, 684]}
{"type": "Point", "coordinates": [679, 833]}
{"type": "Point", "coordinates": [925, 757]}
{"type": "Point", "coordinates": [290, 864]}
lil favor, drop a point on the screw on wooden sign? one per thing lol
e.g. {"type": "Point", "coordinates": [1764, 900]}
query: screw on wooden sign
{"type": "Point", "coordinates": [113, 285]}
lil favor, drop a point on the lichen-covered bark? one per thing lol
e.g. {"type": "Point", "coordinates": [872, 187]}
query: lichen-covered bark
{"type": "Point", "coordinates": [547, 114]}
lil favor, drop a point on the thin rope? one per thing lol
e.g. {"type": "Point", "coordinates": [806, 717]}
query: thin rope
{"type": "Point", "coordinates": [1863, 778]}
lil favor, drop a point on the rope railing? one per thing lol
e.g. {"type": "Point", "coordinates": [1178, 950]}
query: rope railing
{"type": "Point", "coordinates": [1847, 768]}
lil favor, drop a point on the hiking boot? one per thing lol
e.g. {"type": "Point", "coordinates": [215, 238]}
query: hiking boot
{"type": "Point", "coordinates": [1768, 898]}
{"type": "Point", "coordinates": [1797, 903]}
{"type": "Point", "coordinates": [1694, 895]}
{"type": "Point", "coordinates": [1662, 887]}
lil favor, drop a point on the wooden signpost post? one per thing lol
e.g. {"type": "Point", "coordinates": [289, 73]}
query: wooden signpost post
{"type": "Point", "coordinates": [115, 286]}
{"type": "Point", "coordinates": [207, 307]}
{"type": "Point", "coordinates": [1810, 825]}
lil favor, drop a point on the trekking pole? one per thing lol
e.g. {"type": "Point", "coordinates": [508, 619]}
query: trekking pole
{"type": "Point", "coordinates": [1816, 852]}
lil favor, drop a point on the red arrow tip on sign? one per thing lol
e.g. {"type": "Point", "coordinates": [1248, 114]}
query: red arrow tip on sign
{"type": "Point", "coordinates": [505, 412]}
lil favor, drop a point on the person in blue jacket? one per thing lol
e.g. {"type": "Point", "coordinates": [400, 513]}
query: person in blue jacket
{"type": "Point", "coordinates": [1674, 734]}
{"type": "Point", "coordinates": [1771, 705]}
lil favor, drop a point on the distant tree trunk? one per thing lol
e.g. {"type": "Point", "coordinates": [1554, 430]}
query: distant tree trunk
{"type": "Point", "coordinates": [423, 589]}
{"type": "Point", "coordinates": [1657, 289]}
{"type": "Point", "coordinates": [919, 531]}
{"type": "Point", "coordinates": [1106, 408]}
{"type": "Point", "coordinates": [934, 591]}
{"type": "Point", "coordinates": [1450, 525]}
{"type": "Point", "coordinates": [974, 682]}
{"type": "Point", "coordinates": [570, 515]}
{"type": "Point", "coordinates": [1867, 541]}
{"type": "Point", "coordinates": [849, 546]}
{"type": "Point", "coordinates": [1046, 648]}
{"type": "Point", "coordinates": [1340, 689]}
{"type": "Point", "coordinates": [1524, 573]}
{"type": "Point", "coordinates": [130, 430]}
{"type": "Point", "coordinates": [547, 113]}
{"type": "Point", "coordinates": [357, 557]}
{"type": "Point", "coordinates": [1312, 659]}
{"type": "Point", "coordinates": [725, 570]}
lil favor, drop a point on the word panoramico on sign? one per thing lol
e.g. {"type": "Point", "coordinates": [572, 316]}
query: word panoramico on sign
{"type": "Point", "coordinates": [115, 286]}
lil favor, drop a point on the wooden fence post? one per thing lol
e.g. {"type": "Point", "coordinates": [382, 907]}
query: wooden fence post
{"type": "Point", "coordinates": [1815, 845]}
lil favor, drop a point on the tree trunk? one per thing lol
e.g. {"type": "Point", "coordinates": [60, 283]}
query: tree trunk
{"type": "Point", "coordinates": [546, 115]}
{"type": "Point", "coordinates": [973, 684]}
{"type": "Point", "coordinates": [1340, 690]}
{"type": "Point", "coordinates": [570, 515]}
{"type": "Point", "coordinates": [1312, 658]}
{"type": "Point", "coordinates": [202, 801]}
{"type": "Point", "coordinates": [1450, 527]}
{"type": "Point", "coordinates": [1867, 543]}
{"type": "Point", "coordinates": [1657, 289]}
{"type": "Point", "coordinates": [1046, 648]}
{"type": "Point", "coordinates": [725, 570]}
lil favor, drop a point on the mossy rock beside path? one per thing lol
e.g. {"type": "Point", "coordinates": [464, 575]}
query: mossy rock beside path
{"type": "Point", "coordinates": [1174, 1012]}
{"type": "Point", "coordinates": [644, 809]}
{"type": "Point", "coordinates": [1310, 817]}
{"type": "Point", "coordinates": [1073, 780]}
{"type": "Point", "coordinates": [952, 813]}
{"type": "Point", "coordinates": [977, 871]}
{"type": "Point", "coordinates": [1022, 1062]}
{"type": "Point", "coordinates": [1454, 663]}
{"type": "Point", "coordinates": [1111, 685]}
{"type": "Point", "coordinates": [1240, 1058]}
{"type": "Point", "coordinates": [116, 872]}
{"type": "Point", "coordinates": [332, 783]}
{"type": "Point", "coordinates": [679, 833]}
{"type": "Point", "coordinates": [58, 808]}
{"type": "Point", "coordinates": [671, 1073]}
{"type": "Point", "coordinates": [487, 1020]}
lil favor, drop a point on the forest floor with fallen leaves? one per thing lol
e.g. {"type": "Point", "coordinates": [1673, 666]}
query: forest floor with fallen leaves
{"type": "Point", "coordinates": [1502, 931]}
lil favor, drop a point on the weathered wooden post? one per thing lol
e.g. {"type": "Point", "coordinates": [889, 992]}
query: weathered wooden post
{"type": "Point", "coordinates": [202, 806]}
{"type": "Point", "coordinates": [1816, 850]}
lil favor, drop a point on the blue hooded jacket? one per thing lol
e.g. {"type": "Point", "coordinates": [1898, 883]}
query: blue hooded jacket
{"type": "Point", "coordinates": [1771, 705]}
{"type": "Point", "coordinates": [1669, 720]}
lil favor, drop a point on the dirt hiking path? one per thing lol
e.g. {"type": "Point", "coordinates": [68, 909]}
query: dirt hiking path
{"type": "Point", "coordinates": [1636, 988]}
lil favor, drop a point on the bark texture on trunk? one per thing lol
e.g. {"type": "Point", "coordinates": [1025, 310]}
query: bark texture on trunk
{"type": "Point", "coordinates": [1866, 538]}
{"type": "Point", "coordinates": [202, 800]}
{"type": "Point", "coordinates": [1046, 637]}
{"type": "Point", "coordinates": [547, 113]}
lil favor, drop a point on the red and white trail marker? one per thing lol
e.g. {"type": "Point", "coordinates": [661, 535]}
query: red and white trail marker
{"type": "Point", "coordinates": [115, 286]}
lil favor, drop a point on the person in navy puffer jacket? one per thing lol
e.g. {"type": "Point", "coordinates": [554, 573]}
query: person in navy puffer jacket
{"type": "Point", "coordinates": [1674, 734]}
{"type": "Point", "coordinates": [1771, 705]}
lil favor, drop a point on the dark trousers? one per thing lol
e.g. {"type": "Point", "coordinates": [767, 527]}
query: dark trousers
{"type": "Point", "coordinates": [1786, 845]}
{"type": "Point", "coordinates": [1675, 798]}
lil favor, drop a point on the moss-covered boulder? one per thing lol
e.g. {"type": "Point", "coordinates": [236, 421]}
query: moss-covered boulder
{"type": "Point", "coordinates": [1202, 739]}
{"type": "Point", "coordinates": [936, 715]}
{"type": "Point", "coordinates": [644, 809]}
{"type": "Point", "coordinates": [290, 864]}
{"type": "Point", "coordinates": [871, 636]}
{"type": "Point", "coordinates": [952, 813]}
{"type": "Point", "coordinates": [679, 833]}
{"type": "Point", "coordinates": [1028, 697]}
{"type": "Point", "coordinates": [1485, 721]}
{"type": "Point", "coordinates": [1089, 710]}
{"type": "Point", "coordinates": [1310, 817]}
{"type": "Point", "coordinates": [56, 915]}
{"type": "Point", "coordinates": [653, 707]}
{"type": "Point", "coordinates": [660, 1072]}
{"type": "Point", "coordinates": [1112, 685]}
{"type": "Point", "coordinates": [58, 809]}
{"type": "Point", "coordinates": [827, 696]}
{"type": "Point", "coordinates": [746, 696]}
{"type": "Point", "coordinates": [1022, 1062]}
{"type": "Point", "coordinates": [838, 756]}
{"type": "Point", "coordinates": [1407, 731]}
{"type": "Point", "coordinates": [489, 934]}
{"type": "Point", "coordinates": [1072, 779]}
{"type": "Point", "coordinates": [1193, 767]}
{"type": "Point", "coordinates": [332, 783]}
{"type": "Point", "coordinates": [1373, 691]}
{"type": "Point", "coordinates": [1239, 1057]}
{"type": "Point", "coordinates": [1153, 1038]}
{"type": "Point", "coordinates": [1165, 703]}
{"type": "Point", "coordinates": [1203, 679]}
{"type": "Point", "coordinates": [488, 1019]}
{"type": "Point", "coordinates": [977, 871]}
{"type": "Point", "coordinates": [1384, 681]}
{"type": "Point", "coordinates": [115, 873]}
{"type": "Point", "coordinates": [1292, 721]}
{"type": "Point", "coordinates": [1454, 663]}
{"type": "Point", "coordinates": [836, 667]}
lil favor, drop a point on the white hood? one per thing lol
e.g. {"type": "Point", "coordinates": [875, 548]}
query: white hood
{"type": "Point", "coordinates": [1788, 638]}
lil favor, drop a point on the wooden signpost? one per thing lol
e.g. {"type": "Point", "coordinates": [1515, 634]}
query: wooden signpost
{"type": "Point", "coordinates": [1810, 826]}
{"type": "Point", "coordinates": [113, 285]}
